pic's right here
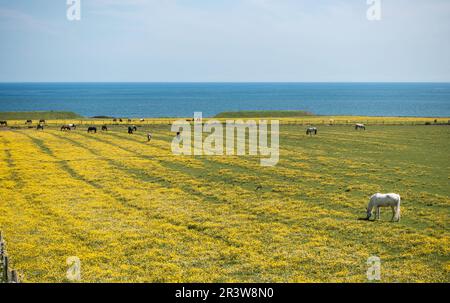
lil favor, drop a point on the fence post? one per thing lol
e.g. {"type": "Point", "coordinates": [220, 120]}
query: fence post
{"type": "Point", "coordinates": [1, 246]}
{"type": "Point", "coordinates": [5, 269]}
{"type": "Point", "coordinates": [7, 276]}
{"type": "Point", "coordinates": [14, 277]}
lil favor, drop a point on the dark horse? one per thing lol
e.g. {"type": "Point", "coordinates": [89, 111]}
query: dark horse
{"type": "Point", "coordinates": [3, 123]}
{"type": "Point", "coordinates": [311, 131]}
{"type": "Point", "coordinates": [29, 122]}
{"type": "Point", "coordinates": [104, 128]}
{"type": "Point", "coordinates": [65, 127]}
{"type": "Point", "coordinates": [40, 127]}
{"type": "Point", "coordinates": [131, 129]}
{"type": "Point", "coordinates": [42, 121]}
{"type": "Point", "coordinates": [92, 130]}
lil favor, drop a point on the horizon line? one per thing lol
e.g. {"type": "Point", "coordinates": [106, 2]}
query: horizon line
{"type": "Point", "coordinates": [223, 82]}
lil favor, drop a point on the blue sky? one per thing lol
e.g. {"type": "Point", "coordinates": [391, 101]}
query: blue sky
{"type": "Point", "coordinates": [224, 40]}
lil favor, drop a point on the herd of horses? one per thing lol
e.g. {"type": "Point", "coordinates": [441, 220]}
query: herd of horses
{"type": "Point", "coordinates": [93, 129]}
{"type": "Point", "coordinates": [310, 131]}
{"type": "Point", "coordinates": [28, 122]}
{"type": "Point", "coordinates": [71, 126]}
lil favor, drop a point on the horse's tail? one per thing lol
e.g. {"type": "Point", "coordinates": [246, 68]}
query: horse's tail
{"type": "Point", "coordinates": [397, 213]}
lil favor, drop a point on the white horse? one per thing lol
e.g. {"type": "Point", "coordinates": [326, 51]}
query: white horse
{"type": "Point", "coordinates": [360, 126]}
{"type": "Point", "coordinates": [311, 130]}
{"type": "Point", "coordinates": [384, 200]}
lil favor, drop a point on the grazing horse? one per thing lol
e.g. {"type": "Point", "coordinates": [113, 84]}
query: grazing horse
{"type": "Point", "coordinates": [129, 120]}
{"type": "Point", "coordinates": [3, 123]}
{"type": "Point", "coordinates": [384, 200]}
{"type": "Point", "coordinates": [92, 129]}
{"type": "Point", "coordinates": [40, 127]}
{"type": "Point", "coordinates": [360, 126]}
{"type": "Point", "coordinates": [42, 121]}
{"type": "Point", "coordinates": [311, 130]}
{"type": "Point", "coordinates": [149, 137]}
{"type": "Point", "coordinates": [104, 128]}
{"type": "Point", "coordinates": [142, 120]}
{"type": "Point", "coordinates": [29, 122]}
{"type": "Point", "coordinates": [65, 127]}
{"type": "Point", "coordinates": [130, 130]}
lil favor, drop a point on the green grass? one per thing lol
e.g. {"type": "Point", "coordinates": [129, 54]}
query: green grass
{"type": "Point", "coordinates": [264, 114]}
{"type": "Point", "coordinates": [37, 115]}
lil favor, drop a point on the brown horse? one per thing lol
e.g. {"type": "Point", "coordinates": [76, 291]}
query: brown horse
{"type": "Point", "coordinates": [3, 123]}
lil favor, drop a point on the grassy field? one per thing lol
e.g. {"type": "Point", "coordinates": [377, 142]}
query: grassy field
{"type": "Point", "coordinates": [134, 212]}
{"type": "Point", "coordinates": [36, 115]}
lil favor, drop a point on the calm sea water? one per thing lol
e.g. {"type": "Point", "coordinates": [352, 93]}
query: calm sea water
{"type": "Point", "coordinates": [182, 99]}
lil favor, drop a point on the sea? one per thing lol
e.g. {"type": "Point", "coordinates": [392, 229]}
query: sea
{"type": "Point", "coordinates": [183, 99]}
